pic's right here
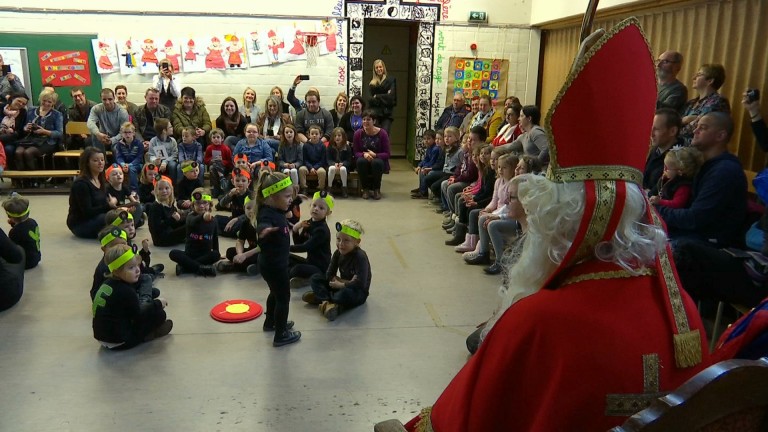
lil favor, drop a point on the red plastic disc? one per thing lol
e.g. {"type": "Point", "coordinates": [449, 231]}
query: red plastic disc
{"type": "Point", "coordinates": [232, 311]}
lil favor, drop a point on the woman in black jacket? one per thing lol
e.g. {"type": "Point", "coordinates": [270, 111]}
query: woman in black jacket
{"type": "Point", "coordinates": [383, 95]}
{"type": "Point", "coordinates": [88, 198]}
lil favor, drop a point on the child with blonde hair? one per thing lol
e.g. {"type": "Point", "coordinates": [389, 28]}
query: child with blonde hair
{"type": "Point", "coordinates": [146, 186]}
{"type": "Point", "coordinates": [201, 249]}
{"type": "Point", "coordinates": [24, 230]}
{"type": "Point", "coordinates": [289, 154]}
{"type": "Point", "coordinates": [119, 321]}
{"type": "Point", "coordinates": [339, 159]}
{"type": "Point", "coordinates": [166, 222]}
{"type": "Point", "coordinates": [191, 179]}
{"type": "Point", "coordinates": [244, 256]}
{"type": "Point", "coordinates": [347, 281]}
{"type": "Point", "coordinates": [313, 237]}
{"type": "Point", "coordinates": [680, 167]}
{"type": "Point", "coordinates": [274, 194]}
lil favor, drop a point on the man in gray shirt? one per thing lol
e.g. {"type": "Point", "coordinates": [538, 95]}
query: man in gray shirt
{"type": "Point", "coordinates": [671, 92]}
{"type": "Point", "coordinates": [105, 120]}
{"type": "Point", "coordinates": [313, 114]}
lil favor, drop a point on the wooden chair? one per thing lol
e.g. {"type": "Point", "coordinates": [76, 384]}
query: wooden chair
{"type": "Point", "coordinates": [728, 396]}
{"type": "Point", "coordinates": [77, 128]}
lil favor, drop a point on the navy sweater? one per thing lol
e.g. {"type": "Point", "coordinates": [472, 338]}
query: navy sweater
{"type": "Point", "coordinates": [316, 242]}
{"type": "Point", "coordinates": [718, 206]}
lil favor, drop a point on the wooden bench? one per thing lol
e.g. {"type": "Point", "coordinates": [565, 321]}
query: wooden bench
{"type": "Point", "coordinates": [12, 174]}
{"type": "Point", "coordinates": [352, 178]}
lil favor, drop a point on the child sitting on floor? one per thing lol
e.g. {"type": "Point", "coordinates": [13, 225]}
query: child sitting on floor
{"type": "Point", "coordinates": [680, 167]}
{"type": "Point", "coordinates": [313, 237]}
{"type": "Point", "coordinates": [112, 236]}
{"type": "Point", "coordinates": [190, 181]}
{"type": "Point", "coordinates": [190, 150]}
{"type": "Point", "coordinates": [234, 200]}
{"type": "Point", "coordinates": [146, 185]}
{"type": "Point", "coordinates": [218, 159]}
{"type": "Point", "coordinates": [123, 219]}
{"type": "Point", "coordinates": [166, 222]}
{"type": "Point", "coordinates": [350, 288]}
{"type": "Point", "coordinates": [24, 230]}
{"type": "Point", "coordinates": [244, 256]}
{"type": "Point", "coordinates": [119, 321]}
{"type": "Point", "coordinates": [201, 250]}
{"type": "Point", "coordinates": [116, 188]}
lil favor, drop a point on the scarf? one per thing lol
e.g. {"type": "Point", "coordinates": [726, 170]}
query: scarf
{"type": "Point", "coordinates": [481, 119]}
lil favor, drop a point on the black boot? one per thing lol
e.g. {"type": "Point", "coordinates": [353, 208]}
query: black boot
{"type": "Point", "coordinates": [481, 258]}
{"type": "Point", "coordinates": [206, 270]}
{"type": "Point", "coordinates": [459, 232]}
{"type": "Point", "coordinates": [288, 337]}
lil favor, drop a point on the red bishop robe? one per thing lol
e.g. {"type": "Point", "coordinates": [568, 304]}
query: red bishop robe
{"type": "Point", "coordinates": [558, 360]}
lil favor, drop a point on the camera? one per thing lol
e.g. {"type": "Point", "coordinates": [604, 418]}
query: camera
{"type": "Point", "coordinates": [753, 95]}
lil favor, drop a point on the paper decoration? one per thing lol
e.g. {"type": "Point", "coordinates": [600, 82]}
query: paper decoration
{"type": "Point", "coordinates": [477, 77]}
{"type": "Point", "coordinates": [194, 54]}
{"type": "Point", "coordinates": [275, 46]}
{"type": "Point", "coordinates": [127, 49]}
{"type": "Point", "coordinates": [64, 68]}
{"type": "Point", "coordinates": [106, 56]}
{"type": "Point", "coordinates": [214, 54]}
{"type": "Point", "coordinates": [170, 51]}
{"type": "Point", "coordinates": [235, 52]}
{"type": "Point", "coordinates": [148, 56]}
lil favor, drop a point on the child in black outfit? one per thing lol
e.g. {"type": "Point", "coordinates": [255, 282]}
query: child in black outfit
{"type": "Point", "coordinates": [121, 218]}
{"type": "Point", "coordinates": [146, 183]}
{"type": "Point", "coordinates": [313, 237]}
{"type": "Point", "coordinates": [202, 247]}
{"type": "Point", "coordinates": [244, 256]}
{"type": "Point", "coordinates": [116, 188]}
{"type": "Point", "coordinates": [274, 194]}
{"type": "Point", "coordinates": [119, 321]}
{"type": "Point", "coordinates": [112, 236]}
{"type": "Point", "coordinates": [235, 201]}
{"type": "Point", "coordinates": [189, 182]}
{"type": "Point", "coordinates": [24, 230]}
{"type": "Point", "coordinates": [167, 224]}
{"type": "Point", "coordinates": [350, 288]}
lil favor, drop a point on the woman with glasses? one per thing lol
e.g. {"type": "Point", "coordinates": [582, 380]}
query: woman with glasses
{"type": "Point", "coordinates": [371, 148]}
{"type": "Point", "coordinates": [706, 83]}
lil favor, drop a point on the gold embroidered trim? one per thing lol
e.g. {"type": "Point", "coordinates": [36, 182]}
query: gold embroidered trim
{"type": "Point", "coordinates": [617, 274]}
{"type": "Point", "coordinates": [673, 290]}
{"type": "Point", "coordinates": [624, 405]}
{"type": "Point", "coordinates": [651, 373]}
{"type": "Point", "coordinates": [615, 172]}
{"type": "Point", "coordinates": [425, 420]}
{"type": "Point", "coordinates": [605, 199]}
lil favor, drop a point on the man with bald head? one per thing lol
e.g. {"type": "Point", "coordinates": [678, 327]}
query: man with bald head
{"type": "Point", "coordinates": [671, 92]}
{"type": "Point", "coordinates": [719, 203]}
{"type": "Point", "coordinates": [454, 114]}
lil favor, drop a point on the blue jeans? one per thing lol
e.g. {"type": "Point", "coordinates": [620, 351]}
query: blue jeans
{"type": "Point", "coordinates": [133, 175]}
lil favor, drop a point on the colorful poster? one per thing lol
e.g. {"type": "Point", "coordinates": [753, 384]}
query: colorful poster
{"type": "Point", "coordinates": [171, 52]}
{"type": "Point", "coordinates": [235, 52]}
{"type": "Point", "coordinates": [194, 54]}
{"type": "Point", "coordinates": [127, 51]}
{"type": "Point", "coordinates": [64, 68]}
{"type": "Point", "coordinates": [147, 56]}
{"type": "Point", "coordinates": [276, 46]}
{"type": "Point", "coordinates": [106, 56]}
{"type": "Point", "coordinates": [477, 77]}
{"type": "Point", "coordinates": [257, 49]}
{"type": "Point", "coordinates": [214, 53]}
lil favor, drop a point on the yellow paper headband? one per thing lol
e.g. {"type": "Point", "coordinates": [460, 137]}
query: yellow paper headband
{"type": "Point", "coordinates": [189, 167]}
{"type": "Point", "coordinates": [201, 197]}
{"type": "Point", "coordinates": [122, 217]}
{"type": "Point", "coordinates": [112, 235]}
{"type": "Point", "coordinates": [277, 187]}
{"type": "Point", "coordinates": [325, 196]}
{"type": "Point", "coordinates": [121, 260]}
{"type": "Point", "coordinates": [18, 215]}
{"type": "Point", "coordinates": [348, 230]}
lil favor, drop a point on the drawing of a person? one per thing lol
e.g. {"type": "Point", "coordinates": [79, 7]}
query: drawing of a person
{"type": "Point", "coordinates": [235, 50]}
{"type": "Point", "coordinates": [329, 27]}
{"type": "Point", "coordinates": [190, 55]}
{"type": "Point", "coordinates": [298, 46]}
{"type": "Point", "coordinates": [214, 58]}
{"type": "Point", "coordinates": [255, 43]}
{"type": "Point", "coordinates": [149, 51]}
{"type": "Point", "coordinates": [130, 55]}
{"type": "Point", "coordinates": [172, 55]}
{"type": "Point", "coordinates": [104, 61]}
{"type": "Point", "coordinates": [275, 44]}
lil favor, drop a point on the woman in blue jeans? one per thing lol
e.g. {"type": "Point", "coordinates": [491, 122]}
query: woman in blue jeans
{"type": "Point", "coordinates": [88, 198]}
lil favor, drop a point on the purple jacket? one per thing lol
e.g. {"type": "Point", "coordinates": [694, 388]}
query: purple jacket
{"type": "Point", "coordinates": [378, 143]}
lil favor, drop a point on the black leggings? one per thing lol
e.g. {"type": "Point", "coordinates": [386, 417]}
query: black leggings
{"type": "Point", "coordinates": [192, 264]}
{"type": "Point", "coordinates": [253, 259]}
{"type": "Point", "coordinates": [370, 173]}
{"type": "Point", "coordinates": [346, 298]}
{"type": "Point", "coordinates": [279, 296]}
{"type": "Point", "coordinates": [147, 321]}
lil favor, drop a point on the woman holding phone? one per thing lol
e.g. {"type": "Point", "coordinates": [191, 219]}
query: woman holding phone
{"type": "Point", "coordinates": [167, 84]}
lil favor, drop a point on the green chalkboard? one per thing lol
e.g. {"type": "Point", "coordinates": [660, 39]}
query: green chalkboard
{"type": "Point", "coordinates": [54, 42]}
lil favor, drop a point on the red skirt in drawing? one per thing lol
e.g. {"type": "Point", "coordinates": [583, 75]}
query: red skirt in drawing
{"type": "Point", "coordinates": [214, 60]}
{"type": "Point", "coordinates": [174, 59]}
{"type": "Point", "coordinates": [298, 48]}
{"type": "Point", "coordinates": [235, 57]}
{"type": "Point", "coordinates": [149, 56]}
{"type": "Point", "coordinates": [105, 63]}
{"type": "Point", "coordinates": [330, 42]}
{"type": "Point", "coordinates": [190, 55]}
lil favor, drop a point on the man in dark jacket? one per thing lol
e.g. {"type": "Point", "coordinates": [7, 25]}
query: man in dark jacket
{"type": "Point", "coordinates": [454, 114]}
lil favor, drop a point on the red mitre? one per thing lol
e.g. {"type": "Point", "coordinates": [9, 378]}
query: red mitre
{"type": "Point", "coordinates": [599, 128]}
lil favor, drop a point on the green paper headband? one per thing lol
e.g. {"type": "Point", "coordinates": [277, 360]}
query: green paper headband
{"type": "Point", "coordinates": [277, 187]}
{"type": "Point", "coordinates": [124, 216]}
{"type": "Point", "coordinates": [325, 196]}
{"type": "Point", "coordinates": [201, 197]}
{"type": "Point", "coordinates": [348, 230]}
{"type": "Point", "coordinates": [189, 167]}
{"type": "Point", "coordinates": [121, 260]}
{"type": "Point", "coordinates": [112, 235]}
{"type": "Point", "coordinates": [18, 215]}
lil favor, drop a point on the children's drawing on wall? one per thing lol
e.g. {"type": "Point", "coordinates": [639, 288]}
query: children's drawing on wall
{"type": "Point", "coordinates": [171, 53]}
{"type": "Point", "coordinates": [148, 61]}
{"type": "Point", "coordinates": [194, 54]}
{"type": "Point", "coordinates": [106, 56]}
{"type": "Point", "coordinates": [330, 29]}
{"type": "Point", "coordinates": [255, 42]}
{"type": "Point", "coordinates": [127, 52]}
{"type": "Point", "coordinates": [298, 44]}
{"type": "Point", "coordinates": [235, 52]}
{"type": "Point", "coordinates": [276, 46]}
{"type": "Point", "coordinates": [214, 57]}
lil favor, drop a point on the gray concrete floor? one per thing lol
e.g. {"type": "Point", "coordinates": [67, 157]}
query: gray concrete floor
{"type": "Point", "coordinates": [386, 359]}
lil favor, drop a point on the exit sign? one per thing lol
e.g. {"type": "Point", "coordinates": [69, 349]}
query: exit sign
{"type": "Point", "coordinates": [478, 17]}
